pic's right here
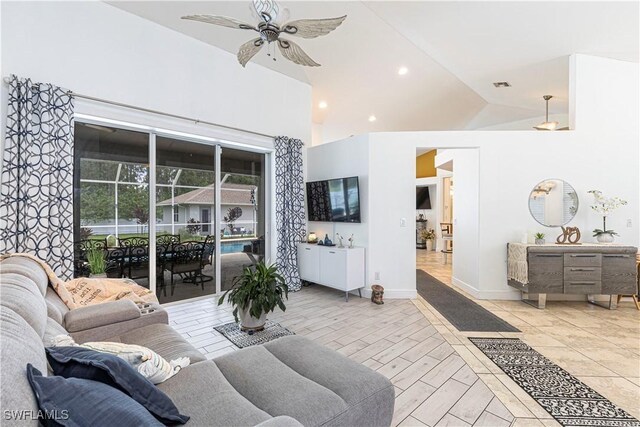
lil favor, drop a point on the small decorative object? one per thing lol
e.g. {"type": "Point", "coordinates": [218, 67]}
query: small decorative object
{"type": "Point", "coordinates": [257, 291]}
{"type": "Point", "coordinates": [421, 217]}
{"type": "Point", "coordinates": [539, 238]}
{"type": "Point", "coordinates": [327, 240]}
{"type": "Point", "coordinates": [569, 236]}
{"type": "Point", "coordinates": [429, 235]}
{"type": "Point", "coordinates": [312, 238]}
{"type": "Point", "coordinates": [351, 242]}
{"type": "Point", "coordinates": [340, 238]}
{"type": "Point", "coordinates": [524, 238]}
{"type": "Point", "coordinates": [377, 293]}
{"type": "Point", "coordinates": [320, 242]}
{"type": "Point", "coordinates": [271, 26]}
{"type": "Point", "coordinates": [604, 206]}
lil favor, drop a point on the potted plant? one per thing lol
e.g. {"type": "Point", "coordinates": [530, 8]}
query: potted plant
{"type": "Point", "coordinates": [539, 238]}
{"type": "Point", "coordinates": [257, 291]}
{"type": "Point", "coordinates": [605, 206]}
{"type": "Point", "coordinates": [429, 235]}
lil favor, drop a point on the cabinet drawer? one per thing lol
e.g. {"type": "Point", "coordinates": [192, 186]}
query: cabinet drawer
{"type": "Point", "coordinates": [545, 273]}
{"type": "Point", "coordinates": [572, 274]}
{"type": "Point", "coordinates": [582, 287]}
{"type": "Point", "coordinates": [582, 260]}
{"type": "Point", "coordinates": [619, 274]}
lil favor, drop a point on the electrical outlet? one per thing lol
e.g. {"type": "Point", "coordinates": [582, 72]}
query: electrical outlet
{"type": "Point", "coordinates": [629, 223]}
{"type": "Point", "coordinates": [403, 222]}
{"type": "Point", "coordinates": [377, 275]}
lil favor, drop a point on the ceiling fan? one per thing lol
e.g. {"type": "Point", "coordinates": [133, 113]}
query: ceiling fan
{"type": "Point", "coordinates": [547, 125]}
{"type": "Point", "coordinates": [269, 29]}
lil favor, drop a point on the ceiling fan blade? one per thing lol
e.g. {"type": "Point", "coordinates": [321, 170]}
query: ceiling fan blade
{"type": "Point", "coordinates": [294, 53]}
{"type": "Point", "coordinates": [220, 20]}
{"type": "Point", "coordinates": [312, 28]}
{"type": "Point", "coordinates": [248, 50]}
{"type": "Point", "coordinates": [270, 8]}
{"type": "Point", "coordinates": [564, 128]}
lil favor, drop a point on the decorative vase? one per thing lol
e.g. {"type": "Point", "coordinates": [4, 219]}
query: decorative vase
{"type": "Point", "coordinates": [429, 245]}
{"type": "Point", "coordinates": [539, 241]}
{"type": "Point", "coordinates": [250, 323]}
{"type": "Point", "coordinates": [605, 238]}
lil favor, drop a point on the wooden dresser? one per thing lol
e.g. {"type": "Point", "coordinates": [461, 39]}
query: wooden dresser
{"type": "Point", "coordinates": [587, 269]}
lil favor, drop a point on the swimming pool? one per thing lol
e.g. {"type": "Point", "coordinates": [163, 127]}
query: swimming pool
{"type": "Point", "coordinates": [233, 247]}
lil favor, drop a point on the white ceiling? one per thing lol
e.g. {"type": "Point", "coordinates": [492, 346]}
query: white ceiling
{"type": "Point", "coordinates": [453, 50]}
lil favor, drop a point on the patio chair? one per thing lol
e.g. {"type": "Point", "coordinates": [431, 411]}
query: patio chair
{"type": "Point", "coordinates": [167, 239]}
{"type": "Point", "coordinates": [133, 241]}
{"type": "Point", "coordinates": [136, 265]}
{"type": "Point", "coordinates": [115, 262]}
{"type": "Point", "coordinates": [81, 250]}
{"type": "Point", "coordinates": [209, 248]}
{"type": "Point", "coordinates": [186, 260]}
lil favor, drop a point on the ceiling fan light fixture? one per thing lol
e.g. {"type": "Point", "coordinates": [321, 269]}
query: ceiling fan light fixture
{"type": "Point", "coordinates": [547, 126]}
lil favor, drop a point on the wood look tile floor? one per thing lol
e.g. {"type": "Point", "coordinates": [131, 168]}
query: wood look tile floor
{"type": "Point", "coordinates": [598, 346]}
{"type": "Point", "coordinates": [434, 386]}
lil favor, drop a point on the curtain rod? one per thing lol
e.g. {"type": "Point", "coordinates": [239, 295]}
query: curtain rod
{"type": "Point", "coordinates": [148, 110]}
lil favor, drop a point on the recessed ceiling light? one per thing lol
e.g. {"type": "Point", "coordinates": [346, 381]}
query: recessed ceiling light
{"type": "Point", "coordinates": [403, 70]}
{"type": "Point", "coordinates": [372, 118]}
{"type": "Point", "coordinates": [502, 84]}
{"type": "Point", "coordinates": [322, 105]}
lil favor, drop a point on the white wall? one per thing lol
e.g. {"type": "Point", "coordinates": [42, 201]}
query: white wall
{"type": "Point", "coordinates": [95, 49]}
{"type": "Point", "coordinates": [601, 153]}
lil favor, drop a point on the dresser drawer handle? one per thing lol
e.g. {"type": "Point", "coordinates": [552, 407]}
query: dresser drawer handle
{"type": "Point", "coordinates": [582, 283]}
{"type": "Point", "coordinates": [331, 252]}
{"type": "Point", "coordinates": [307, 249]}
{"type": "Point", "coordinates": [583, 256]}
{"type": "Point", "coordinates": [549, 255]}
{"type": "Point", "coordinates": [583, 269]}
{"type": "Point", "coordinates": [616, 256]}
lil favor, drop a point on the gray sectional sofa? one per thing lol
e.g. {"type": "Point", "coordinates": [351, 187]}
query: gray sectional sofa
{"type": "Point", "coordinates": [287, 382]}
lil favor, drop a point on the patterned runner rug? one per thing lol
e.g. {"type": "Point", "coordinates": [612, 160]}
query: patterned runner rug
{"type": "Point", "coordinates": [242, 339]}
{"type": "Point", "coordinates": [562, 395]}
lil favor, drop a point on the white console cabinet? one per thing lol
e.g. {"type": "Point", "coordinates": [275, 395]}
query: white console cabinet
{"type": "Point", "coordinates": [338, 268]}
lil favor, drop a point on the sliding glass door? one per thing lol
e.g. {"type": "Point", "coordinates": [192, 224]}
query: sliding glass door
{"type": "Point", "coordinates": [206, 224]}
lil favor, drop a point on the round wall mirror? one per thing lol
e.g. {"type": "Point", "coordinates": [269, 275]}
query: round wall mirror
{"type": "Point", "coordinates": [553, 202]}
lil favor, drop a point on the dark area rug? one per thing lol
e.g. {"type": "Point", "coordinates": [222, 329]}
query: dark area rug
{"type": "Point", "coordinates": [463, 313]}
{"type": "Point", "coordinates": [567, 399]}
{"type": "Point", "coordinates": [271, 331]}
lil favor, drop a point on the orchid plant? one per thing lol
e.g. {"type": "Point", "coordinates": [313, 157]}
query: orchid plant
{"type": "Point", "coordinates": [605, 206]}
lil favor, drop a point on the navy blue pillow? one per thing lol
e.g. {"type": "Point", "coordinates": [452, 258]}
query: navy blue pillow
{"type": "Point", "coordinates": [76, 402]}
{"type": "Point", "coordinates": [78, 362]}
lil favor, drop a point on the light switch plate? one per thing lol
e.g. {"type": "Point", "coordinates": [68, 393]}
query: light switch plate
{"type": "Point", "coordinates": [403, 222]}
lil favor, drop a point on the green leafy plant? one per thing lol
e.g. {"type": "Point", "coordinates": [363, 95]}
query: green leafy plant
{"type": "Point", "coordinates": [428, 234]}
{"type": "Point", "coordinates": [261, 288]}
{"type": "Point", "coordinates": [597, 232]}
{"type": "Point", "coordinates": [95, 258]}
{"type": "Point", "coordinates": [539, 235]}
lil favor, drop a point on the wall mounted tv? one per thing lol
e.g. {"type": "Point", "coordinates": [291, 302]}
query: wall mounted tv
{"type": "Point", "coordinates": [334, 200]}
{"type": "Point", "coordinates": [423, 199]}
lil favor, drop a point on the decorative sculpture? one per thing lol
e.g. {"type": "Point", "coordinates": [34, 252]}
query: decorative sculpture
{"type": "Point", "coordinates": [569, 236]}
{"type": "Point", "coordinates": [340, 244]}
{"type": "Point", "coordinates": [351, 242]}
{"type": "Point", "coordinates": [377, 293]}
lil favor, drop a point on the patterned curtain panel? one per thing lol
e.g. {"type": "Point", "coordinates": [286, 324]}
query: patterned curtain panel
{"type": "Point", "coordinates": [290, 223]}
{"type": "Point", "coordinates": [36, 206]}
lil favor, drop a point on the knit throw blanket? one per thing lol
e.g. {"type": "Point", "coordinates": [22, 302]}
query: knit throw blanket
{"type": "Point", "coordinates": [517, 267]}
{"type": "Point", "coordinates": [85, 291]}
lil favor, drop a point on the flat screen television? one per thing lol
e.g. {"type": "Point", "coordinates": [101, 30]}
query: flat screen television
{"type": "Point", "coordinates": [334, 200]}
{"type": "Point", "coordinates": [423, 199]}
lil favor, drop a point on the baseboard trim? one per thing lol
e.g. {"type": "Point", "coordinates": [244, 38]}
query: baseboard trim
{"type": "Point", "coordinates": [507, 294]}
{"type": "Point", "coordinates": [391, 293]}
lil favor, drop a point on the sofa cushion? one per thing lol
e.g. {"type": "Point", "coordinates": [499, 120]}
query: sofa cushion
{"type": "Point", "coordinates": [19, 345]}
{"type": "Point", "coordinates": [22, 295]}
{"type": "Point", "coordinates": [370, 396]}
{"type": "Point", "coordinates": [55, 307]}
{"type": "Point", "coordinates": [52, 330]}
{"type": "Point", "coordinates": [162, 339]}
{"type": "Point", "coordinates": [27, 268]}
{"type": "Point", "coordinates": [275, 388]}
{"type": "Point", "coordinates": [202, 391]}
{"type": "Point", "coordinates": [78, 362]}
{"type": "Point", "coordinates": [81, 402]}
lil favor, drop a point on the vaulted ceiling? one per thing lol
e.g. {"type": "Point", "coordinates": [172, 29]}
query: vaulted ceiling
{"type": "Point", "coordinates": [453, 51]}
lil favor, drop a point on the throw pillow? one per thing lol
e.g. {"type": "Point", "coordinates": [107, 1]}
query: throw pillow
{"type": "Point", "coordinates": [79, 402]}
{"type": "Point", "coordinates": [78, 362]}
{"type": "Point", "coordinates": [147, 362]}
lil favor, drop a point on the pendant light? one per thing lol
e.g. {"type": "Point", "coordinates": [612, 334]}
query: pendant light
{"type": "Point", "coordinates": [547, 125]}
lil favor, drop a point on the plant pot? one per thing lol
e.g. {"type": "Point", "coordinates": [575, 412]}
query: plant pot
{"type": "Point", "coordinates": [605, 238]}
{"type": "Point", "coordinates": [250, 323]}
{"type": "Point", "coordinates": [539, 241]}
{"type": "Point", "coordinates": [429, 245]}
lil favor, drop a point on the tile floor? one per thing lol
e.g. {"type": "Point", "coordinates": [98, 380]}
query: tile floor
{"type": "Point", "coordinates": [600, 347]}
{"type": "Point", "coordinates": [441, 379]}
